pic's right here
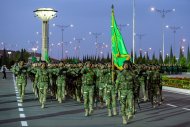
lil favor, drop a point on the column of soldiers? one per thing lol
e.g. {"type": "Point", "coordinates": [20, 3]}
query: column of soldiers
{"type": "Point", "coordinates": [93, 84]}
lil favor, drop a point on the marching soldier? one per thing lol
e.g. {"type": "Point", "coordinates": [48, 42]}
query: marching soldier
{"type": "Point", "coordinates": [110, 91]}
{"type": "Point", "coordinates": [88, 88]}
{"type": "Point", "coordinates": [124, 84]}
{"type": "Point", "coordinates": [42, 77]}
{"type": "Point", "coordinates": [21, 72]}
{"type": "Point", "coordinates": [60, 82]}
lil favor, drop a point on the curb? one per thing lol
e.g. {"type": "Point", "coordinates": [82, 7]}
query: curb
{"type": "Point", "coordinates": [176, 90]}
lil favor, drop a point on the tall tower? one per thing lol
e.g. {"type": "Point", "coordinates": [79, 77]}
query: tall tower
{"type": "Point", "coordinates": [45, 14]}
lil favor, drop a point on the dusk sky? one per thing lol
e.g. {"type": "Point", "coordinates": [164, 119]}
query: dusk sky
{"type": "Point", "coordinates": [18, 24]}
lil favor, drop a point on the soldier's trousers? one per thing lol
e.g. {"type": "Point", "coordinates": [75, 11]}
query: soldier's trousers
{"type": "Point", "coordinates": [78, 92]}
{"type": "Point", "coordinates": [156, 94]}
{"type": "Point", "coordinates": [101, 92]}
{"type": "Point", "coordinates": [110, 96]}
{"type": "Point", "coordinates": [43, 86]}
{"type": "Point", "coordinates": [21, 88]}
{"type": "Point", "coordinates": [143, 88]}
{"type": "Point", "coordinates": [127, 102]}
{"type": "Point", "coordinates": [35, 87]}
{"type": "Point", "coordinates": [61, 90]}
{"type": "Point", "coordinates": [88, 94]}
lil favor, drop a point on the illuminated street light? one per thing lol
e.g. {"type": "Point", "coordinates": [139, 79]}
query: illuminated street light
{"type": "Point", "coordinates": [174, 29]}
{"type": "Point", "coordinates": [120, 26]}
{"type": "Point", "coordinates": [45, 14]}
{"type": "Point", "coordinates": [163, 13]}
{"type": "Point", "coordinates": [77, 48]}
{"type": "Point", "coordinates": [140, 36]}
{"type": "Point", "coordinates": [98, 45]}
{"type": "Point", "coordinates": [62, 27]}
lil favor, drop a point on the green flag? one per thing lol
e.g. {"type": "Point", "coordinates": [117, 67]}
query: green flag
{"type": "Point", "coordinates": [119, 51]}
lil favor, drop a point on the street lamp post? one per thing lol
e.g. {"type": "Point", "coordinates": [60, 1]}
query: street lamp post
{"type": "Point", "coordinates": [78, 46]}
{"type": "Point", "coordinates": [45, 14]}
{"type": "Point", "coordinates": [98, 45]}
{"type": "Point", "coordinates": [9, 53]}
{"type": "Point", "coordinates": [122, 25]}
{"type": "Point", "coordinates": [34, 51]}
{"type": "Point", "coordinates": [163, 13]}
{"type": "Point", "coordinates": [174, 29]}
{"type": "Point", "coordinates": [140, 36]}
{"type": "Point", "coordinates": [133, 31]}
{"type": "Point", "coordinates": [62, 27]}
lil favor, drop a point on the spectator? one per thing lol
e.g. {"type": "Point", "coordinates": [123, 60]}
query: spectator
{"type": "Point", "coordinates": [4, 69]}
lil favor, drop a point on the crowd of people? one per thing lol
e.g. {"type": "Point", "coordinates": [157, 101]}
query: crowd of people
{"type": "Point", "coordinates": [93, 84]}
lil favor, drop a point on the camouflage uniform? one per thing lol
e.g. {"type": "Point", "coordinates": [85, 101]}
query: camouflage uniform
{"type": "Point", "coordinates": [110, 91]}
{"type": "Point", "coordinates": [42, 77]}
{"type": "Point", "coordinates": [21, 72]}
{"type": "Point", "coordinates": [124, 84]}
{"type": "Point", "coordinates": [88, 88]}
{"type": "Point", "coordinates": [60, 82]}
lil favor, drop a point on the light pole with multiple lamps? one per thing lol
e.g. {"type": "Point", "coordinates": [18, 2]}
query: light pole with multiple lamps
{"type": "Point", "coordinates": [120, 26]}
{"type": "Point", "coordinates": [98, 44]}
{"type": "Point", "coordinates": [163, 13]}
{"type": "Point", "coordinates": [77, 48]}
{"type": "Point", "coordinates": [140, 36]}
{"type": "Point", "coordinates": [62, 27]}
{"type": "Point", "coordinates": [174, 29]}
{"type": "Point", "coordinates": [134, 25]}
{"type": "Point", "coordinates": [45, 14]}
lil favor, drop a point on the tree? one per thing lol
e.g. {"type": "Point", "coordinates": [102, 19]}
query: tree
{"type": "Point", "coordinates": [181, 54]}
{"type": "Point", "coordinates": [167, 60]}
{"type": "Point", "coordinates": [171, 55]}
{"type": "Point", "coordinates": [4, 57]}
{"type": "Point", "coordinates": [160, 58]}
{"type": "Point", "coordinates": [183, 61]}
{"type": "Point", "coordinates": [188, 55]}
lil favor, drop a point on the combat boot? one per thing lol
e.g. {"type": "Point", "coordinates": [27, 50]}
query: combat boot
{"type": "Point", "coordinates": [78, 99]}
{"type": "Point", "coordinates": [86, 112]}
{"type": "Point", "coordinates": [42, 105]}
{"type": "Point", "coordinates": [90, 111]}
{"type": "Point", "coordinates": [109, 112]}
{"type": "Point", "coordinates": [124, 119]}
{"type": "Point", "coordinates": [130, 117]}
{"type": "Point", "coordinates": [114, 111]}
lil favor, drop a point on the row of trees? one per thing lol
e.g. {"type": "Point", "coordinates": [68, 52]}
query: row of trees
{"type": "Point", "coordinates": [14, 56]}
{"type": "Point", "coordinates": [183, 60]}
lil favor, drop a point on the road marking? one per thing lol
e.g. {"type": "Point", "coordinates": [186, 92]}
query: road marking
{"type": "Point", "coordinates": [21, 109]}
{"type": "Point", "coordinates": [24, 123]}
{"type": "Point", "coordinates": [172, 105]}
{"type": "Point", "coordinates": [19, 104]}
{"type": "Point", "coordinates": [22, 116]}
{"type": "Point", "coordinates": [186, 109]}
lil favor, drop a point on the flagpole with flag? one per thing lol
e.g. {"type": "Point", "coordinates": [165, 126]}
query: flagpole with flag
{"type": "Point", "coordinates": [119, 51]}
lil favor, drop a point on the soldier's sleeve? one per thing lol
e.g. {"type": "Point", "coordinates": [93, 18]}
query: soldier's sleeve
{"type": "Point", "coordinates": [117, 82]}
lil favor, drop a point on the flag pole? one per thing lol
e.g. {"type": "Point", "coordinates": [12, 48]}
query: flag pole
{"type": "Point", "coordinates": [111, 52]}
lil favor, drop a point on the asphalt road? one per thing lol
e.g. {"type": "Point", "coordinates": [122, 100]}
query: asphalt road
{"type": "Point", "coordinates": [175, 112]}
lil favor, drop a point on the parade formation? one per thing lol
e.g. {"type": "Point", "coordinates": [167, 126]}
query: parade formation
{"type": "Point", "coordinates": [95, 85]}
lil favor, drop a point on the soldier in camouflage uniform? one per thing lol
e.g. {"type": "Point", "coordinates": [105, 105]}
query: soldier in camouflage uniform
{"type": "Point", "coordinates": [100, 83]}
{"type": "Point", "coordinates": [88, 88]}
{"type": "Point", "coordinates": [110, 91]}
{"type": "Point", "coordinates": [78, 84]}
{"type": "Point", "coordinates": [142, 79]}
{"type": "Point", "coordinates": [21, 72]}
{"type": "Point", "coordinates": [124, 84]}
{"type": "Point", "coordinates": [42, 77]}
{"type": "Point", "coordinates": [155, 82]}
{"type": "Point", "coordinates": [60, 82]}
